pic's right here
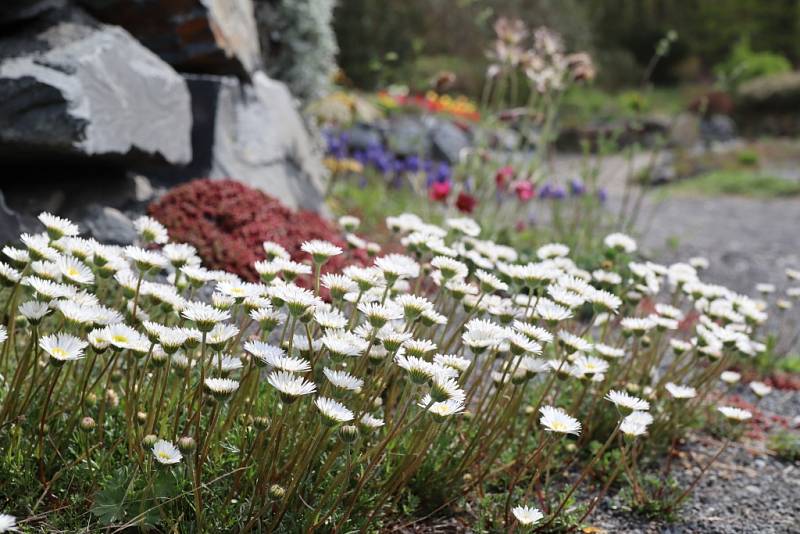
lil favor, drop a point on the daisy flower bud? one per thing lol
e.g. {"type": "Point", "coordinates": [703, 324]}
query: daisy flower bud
{"type": "Point", "coordinates": [348, 433]}
{"type": "Point", "coordinates": [276, 492]}
{"type": "Point", "coordinates": [186, 444]}
{"type": "Point", "coordinates": [88, 424]}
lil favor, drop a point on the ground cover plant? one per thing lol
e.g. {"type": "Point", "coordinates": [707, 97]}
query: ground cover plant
{"type": "Point", "coordinates": [143, 390]}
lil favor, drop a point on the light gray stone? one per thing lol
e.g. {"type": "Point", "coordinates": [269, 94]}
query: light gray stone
{"type": "Point", "coordinates": [210, 36]}
{"type": "Point", "coordinates": [109, 225]}
{"type": "Point", "coordinates": [254, 134]}
{"type": "Point", "coordinates": [72, 86]}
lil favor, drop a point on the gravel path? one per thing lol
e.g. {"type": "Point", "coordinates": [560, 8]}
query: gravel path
{"type": "Point", "coordinates": [747, 490]}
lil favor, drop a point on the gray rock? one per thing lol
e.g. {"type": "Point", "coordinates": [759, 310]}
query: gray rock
{"type": "Point", "coordinates": [9, 223]}
{"type": "Point", "coordinates": [143, 189]}
{"type": "Point", "coordinates": [408, 136]}
{"type": "Point", "coordinates": [20, 10]}
{"type": "Point", "coordinates": [211, 36]}
{"type": "Point", "coordinates": [685, 130]}
{"type": "Point", "coordinates": [718, 128]}
{"type": "Point", "coordinates": [448, 141]}
{"type": "Point", "coordinates": [363, 136]}
{"type": "Point", "coordinates": [109, 225]}
{"type": "Point", "coordinates": [254, 134]}
{"type": "Point", "coordinates": [72, 86]}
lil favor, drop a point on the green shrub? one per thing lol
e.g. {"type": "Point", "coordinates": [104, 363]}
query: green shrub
{"type": "Point", "coordinates": [744, 64]}
{"type": "Point", "coordinates": [786, 445]}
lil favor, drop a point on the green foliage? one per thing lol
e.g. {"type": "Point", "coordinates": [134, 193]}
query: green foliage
{"type": "Point", "coordinates": [298, 43]}
{"type": "Point", "coordinates": [744, 64]}
{"type": "Point", "coordinates": [736, 182]}
{"type": "Point", "coordinates": [747, 157]}
{"type": "Point", "coordinates": [654, 497]}
{"type": "Point", "coordinates": [786, 445]}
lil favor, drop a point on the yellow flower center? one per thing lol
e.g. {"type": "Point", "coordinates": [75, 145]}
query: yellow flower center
{"type": "Point", "coordinates": [72, 271]}
{"type": "Point", "coordinates": [119, 339]}
{"type": "Point", "coordinates": [58, 352]}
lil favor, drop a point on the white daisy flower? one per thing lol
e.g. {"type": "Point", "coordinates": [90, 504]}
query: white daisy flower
{"type": "Point", "coordinates": [8, 523]}
{"type": "Point", "coordinates": [760, 388]}
{"type": "Point", "coordinates": [58, 227]}
{"type": "Point", "coordinates": [150, 230]}
{"type": "Point", "coordinates": [221, 387]}
{"type": "Point", "coordinates": [624, 400]}
{"type": "Point", "coordinates": [573, 342]}
{"type": "Point", "coordinates": [680, 392]}
{"type": "Point", "coordinates": [589, 365]}
{"type": "Point", "coordinates": [449, 267]}
{"type": "Point", "coordinates": [330, 319]}
{"type": "Point", "coordinates": [453, 361]}
{"type": "Point", "coordinates": [464, 225]}
{"type": "Point", "coordinates": [145, 260]}
{"type": "Point", "coordinates": [274, 250]}
{"type": "Point", "coordinates": [34, 311]}
{"type": "Point", "coordinates": [549, 311]}
{"type": "Point", "coordinates": [9, 275]}
{"type": "Point", "coordinates": [552, 250]}
{"type": "Point", "coordinates": [735, 414]}
{"type": "Point", "coordinates": [490, 283]}
{"type": "Point", "coordinates": [63, 347]}
{"type": "Point", "coordinates": [620, 242]}
{"type": "Point", "coordinates": [343, 380]}
{"type": "Point", "coordinates": [609, 352]}
{"type": "Point", "coordinates": [397, 267]}
{"type": "Point", "coordinates": [371, 422]}
{"type": "Point", "coordinates": [637, 325]}
{"type": "Point", "coordinates": [607, 277]}
{"type": "Point", "coordinates": [333, 412]}
{"type": "Point", "coordinates": [441, 409]}
{"type": "Point", "coordinates": [349, 222]}
{"type": "Point", "coordinates": [204, 316]}
{"type": "Point", "coordinates": [290, 386]}
{"type": "Point", "coordinates": [338, 285]}
{"type": "Point", "coordinates": [556, 420]}
{"type": "Point", "coordinates": [527, 515]}
{"type": "Point", "coordinates": [730, 377]}
{"type": "Point", "coordinates": [341, 343]}
{"type": "Point", "coordinates": [166, 453]}
{"type": "Point", "coordinates": [320, 251]}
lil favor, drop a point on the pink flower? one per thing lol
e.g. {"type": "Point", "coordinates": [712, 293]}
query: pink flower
{"type": "Point", "coordinates": [503, 175]}
{"type": "Point", "coordinates": [438, 191]}
{"type": "Point", "coordinates": [466, 202]}
{"type": "Point", "coordinates": [524, 190]}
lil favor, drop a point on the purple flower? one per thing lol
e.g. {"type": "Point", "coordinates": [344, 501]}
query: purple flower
{"type": "Point", "coordinates": [546, 191]}
{"type": "Point", "coordinates": [576, 187]}
{"type": "Point", "coordinates": [602, 195]}
{"type": "Point", "coordinates": [559, 192]}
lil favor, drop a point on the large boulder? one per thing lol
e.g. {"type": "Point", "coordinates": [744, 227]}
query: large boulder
{"type": "Point", "coordinates": [72, 86]}
{"type": "Point", "coordinates": [254, 134]}
{"type": "Point", "coordinates": [201, 36]}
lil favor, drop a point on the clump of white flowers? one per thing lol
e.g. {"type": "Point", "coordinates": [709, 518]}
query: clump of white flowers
{"type": "Point", "coordinates": [455, 348]}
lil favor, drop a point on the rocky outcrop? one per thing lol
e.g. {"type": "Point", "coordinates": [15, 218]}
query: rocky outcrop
{"type": "Point", "coordinates": [252, 132]}
{"type": "Point", "coordinates": [201, 36]}
{"type": "Point", "coordinates": [72, 86]}
{"type": "Point", "coordinates": [105, 103]}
